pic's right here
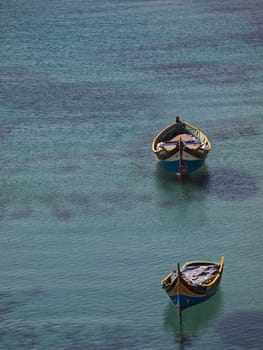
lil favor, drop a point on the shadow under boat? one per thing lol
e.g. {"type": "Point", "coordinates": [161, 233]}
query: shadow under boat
{"type": "Point", "coordinates": [172, 189]}
{"type": "Point", "coordinates": [225, 183]}
{"type": "Point", "coordinates": [194, 319]}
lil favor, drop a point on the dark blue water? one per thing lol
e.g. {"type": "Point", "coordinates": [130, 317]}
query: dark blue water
{"type": "Point", "coordinates": [89, 224]}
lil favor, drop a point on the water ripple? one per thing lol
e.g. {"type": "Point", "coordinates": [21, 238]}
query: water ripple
{"type": "Point", "coordinates": [242, 329]}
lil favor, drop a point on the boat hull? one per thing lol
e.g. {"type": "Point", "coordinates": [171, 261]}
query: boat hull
{"type": "Point", "coordinates": [183, 301]}
{"type": "Point", "coordinates": [189, 166]}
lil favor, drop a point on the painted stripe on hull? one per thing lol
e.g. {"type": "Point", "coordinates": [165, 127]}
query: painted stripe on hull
{"type": "Point", "coordinates": [187, 300]}
{"type": "Point", "coordinates": [190, 166]}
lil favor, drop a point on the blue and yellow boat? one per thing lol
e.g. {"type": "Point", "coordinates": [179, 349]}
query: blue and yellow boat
{"type": "Point", "coordinates": [196, 282]}
{"type": "Point", "coordinates": [181, 147]}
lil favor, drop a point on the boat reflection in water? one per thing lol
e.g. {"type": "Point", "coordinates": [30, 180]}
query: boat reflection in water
{"type": "Point", "coordinates": [195, 319]}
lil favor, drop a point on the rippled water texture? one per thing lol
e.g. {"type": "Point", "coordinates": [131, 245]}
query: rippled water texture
{"type": "Point", "coordinates": [89, 222]}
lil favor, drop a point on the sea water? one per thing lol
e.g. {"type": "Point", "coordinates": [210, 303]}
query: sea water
{"type": "Point", "coordinates": [89, 223]}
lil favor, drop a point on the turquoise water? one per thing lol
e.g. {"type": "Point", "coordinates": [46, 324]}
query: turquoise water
{"type": "Point", "coordinates": [89, 224]}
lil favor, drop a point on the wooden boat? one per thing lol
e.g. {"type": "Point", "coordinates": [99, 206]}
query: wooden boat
{"type": "Point", "coordinates": [181, 147]}
{"type": "Point", "coordinates": [196, 282]}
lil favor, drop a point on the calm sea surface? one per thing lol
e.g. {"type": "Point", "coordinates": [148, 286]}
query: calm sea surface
{"type": "Point", "coordinates": [89, 224]}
